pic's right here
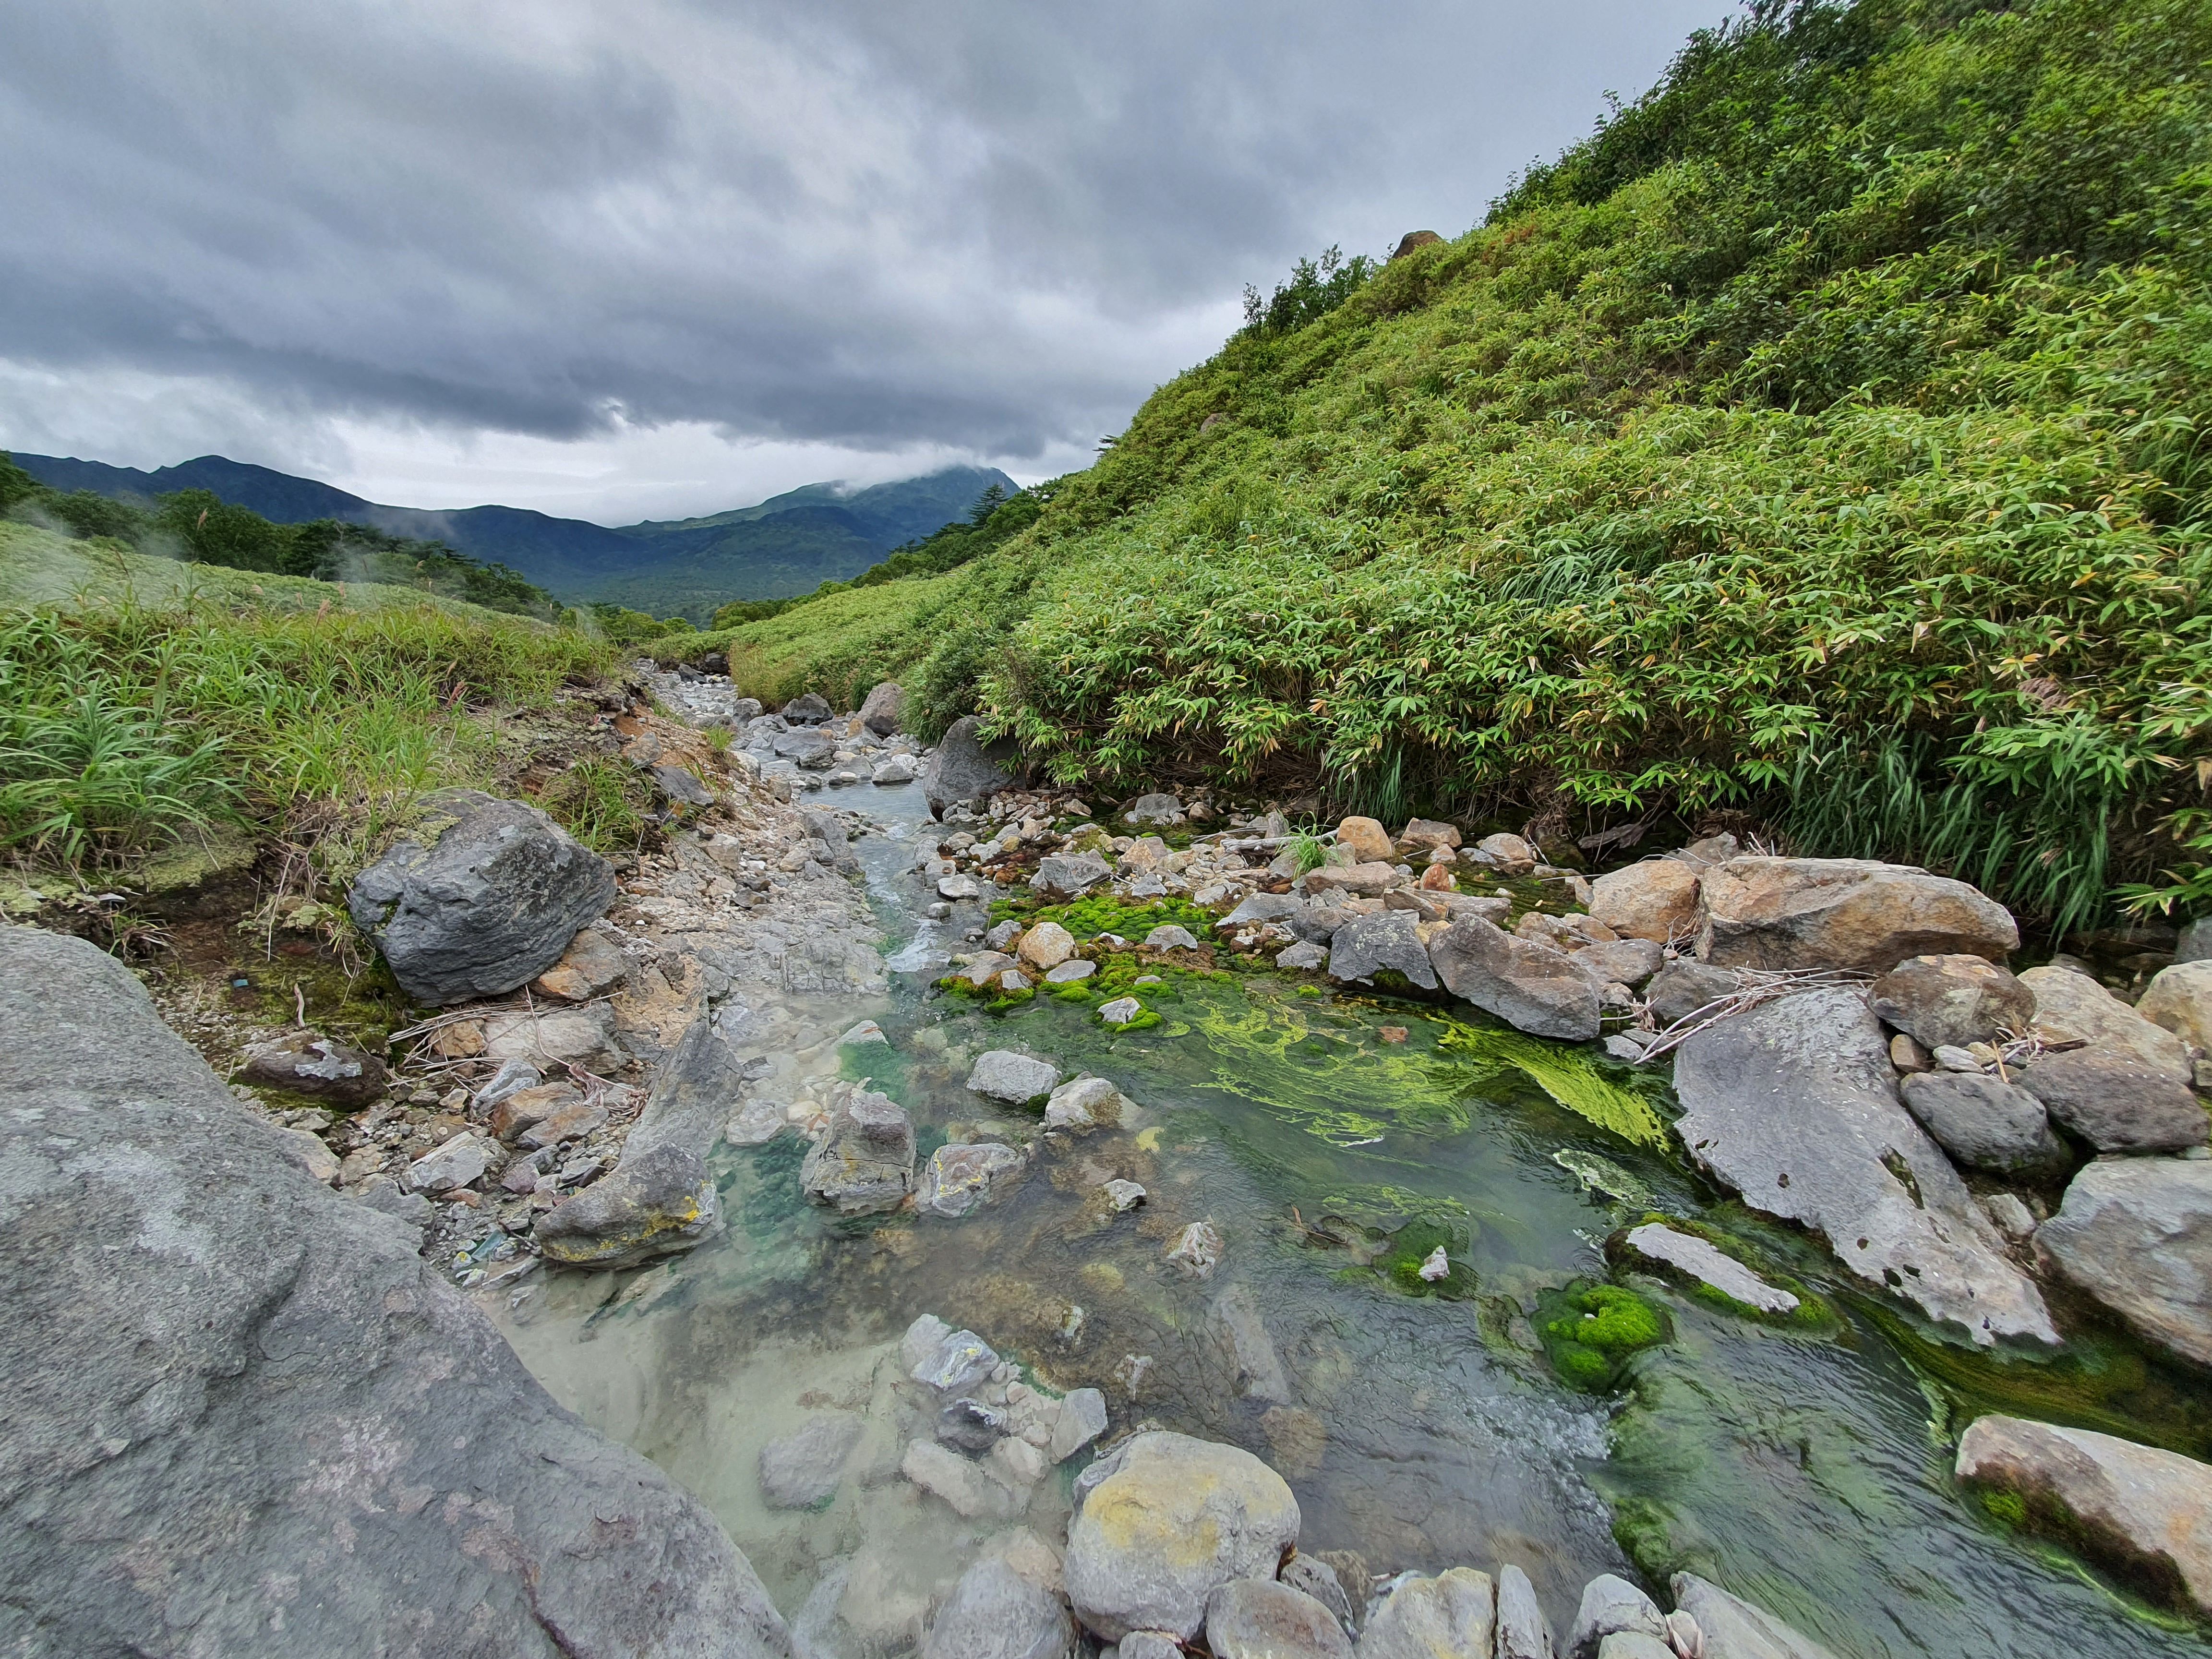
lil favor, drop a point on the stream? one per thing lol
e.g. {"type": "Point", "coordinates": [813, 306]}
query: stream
{"type": "Point", "coordinates": [1807, 1469]}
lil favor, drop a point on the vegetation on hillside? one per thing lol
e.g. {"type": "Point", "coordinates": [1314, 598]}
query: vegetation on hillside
{"type": "Point", "coordinates": [198, 526]}
{"type": "Point", "coordinates": [1822, 441]}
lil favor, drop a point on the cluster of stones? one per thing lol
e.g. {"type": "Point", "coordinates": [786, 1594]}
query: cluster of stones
{"type": "Point", "coordinates": [1176, 1541]}
{"type": "Point", "coordinates": [805, 744]}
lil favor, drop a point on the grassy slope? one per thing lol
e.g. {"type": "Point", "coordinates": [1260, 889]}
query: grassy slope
{"type": "Point", "coordinates": [1821, 440]}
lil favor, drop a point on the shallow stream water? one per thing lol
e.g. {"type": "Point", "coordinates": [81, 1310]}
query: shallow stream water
{"type": "Point", "coordinates": [1808, 1470]}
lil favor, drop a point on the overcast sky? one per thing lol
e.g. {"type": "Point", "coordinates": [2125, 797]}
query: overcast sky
{"type": "Point", "coordinates": [654, 257]}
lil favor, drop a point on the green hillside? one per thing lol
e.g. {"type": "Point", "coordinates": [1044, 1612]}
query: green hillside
{"type": "Point", "coordinates": [1821, 441]}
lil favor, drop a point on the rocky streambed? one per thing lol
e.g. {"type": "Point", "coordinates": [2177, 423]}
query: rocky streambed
{"type": "Point", "coordinates": [1030, 1225]}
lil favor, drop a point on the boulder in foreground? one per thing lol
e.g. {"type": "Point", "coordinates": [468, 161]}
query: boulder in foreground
{"type": "Point", "coordinates": [2137, 1234]}
{"type": "Point", "coordinates": [482, 898]}
{"type": "Point", "coordinates": [1532, 988]}
{"type": "Point", "coordinates": [256, 1355]}
{"type": "Point", "coordinates": [2144, 1512]}
{"type": "Point", "coordinates": [1794, 1106]}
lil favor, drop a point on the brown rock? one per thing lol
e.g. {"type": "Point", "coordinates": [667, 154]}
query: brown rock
{"type": "Point", "coordinates": [305, 1064]}
{"type": "Point", "coordinates": [1843, 912]}
{"type": "Point", "coordinates": [1953, 1000]}
{"type": "Point", "coordinates": [1368, 841]}
{"type": "Point", "coordinates": [569, 1123]}
{"type": "Point", "coordinates": [1508, 853]}
{"type": "Point", "coordinates": [1430, 832]}
{"type": "Point", "coordinates": [525, 1107]}
{"type": "Point", "coordinates": [1438, 879]}
{"type": "Point", "coordinates": [2145, 1512]}
{"type": "Point", "coordinates": [2071, 1007]}
{"type": "Point", "coordinates": [2180, 999]}
{"type": "Point", "coordinates": [1414, 238]}
{"type": "Point", "coordinates": [1655, 900]}
{"type": "Point", "coordinates": [1371, 879]}
{"type": "Point", "coordinates": [462, 1039]}
{"type": "Point", "coordinates": [591, 967]}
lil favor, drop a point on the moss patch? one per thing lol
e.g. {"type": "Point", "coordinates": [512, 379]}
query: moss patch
{"type": "Point", "coordinates": [1590, 1331]}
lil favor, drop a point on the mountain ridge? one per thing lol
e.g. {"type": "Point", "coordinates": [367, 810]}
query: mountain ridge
{"type": "Point", "coordinates": [787, 544]}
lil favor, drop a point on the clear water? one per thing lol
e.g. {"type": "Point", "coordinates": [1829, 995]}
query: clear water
{"type": "Point", "coordinates": [1809, 1473]}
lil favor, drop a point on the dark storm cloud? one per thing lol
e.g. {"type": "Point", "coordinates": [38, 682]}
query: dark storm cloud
{"type": "Point", "coordinates": [983, 225]}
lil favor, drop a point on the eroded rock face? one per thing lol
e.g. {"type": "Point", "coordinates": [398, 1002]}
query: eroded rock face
{"type": "Point", "coordinates": [660, 1200]}
{"type": "Point", "coordinates": [964, 771]}
{"type": "Point", "coordinates": [1655, 900]}
{"type": "Point", "coordinates": [257, 1353]}
{"type": "Point", "coordinates": [2137, 1234]}
{"type": "Point", "coordinates": [1794, 1105]}
{"type": "Point", "coordinates": [1531, 986]}
{"type": "Point", "coordinates": [482, 899]}
{"type": "Point", "coordinates": [1172, 1518]}
{"type": "Point", "coordinates": [1953, 1000]}
{"type": "Point", "coordinates": [1843, 912]}
{"type": "Point", "coordinates": [2145, 1512]}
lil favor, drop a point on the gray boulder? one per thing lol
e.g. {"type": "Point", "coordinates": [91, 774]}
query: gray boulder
{"type": "Point", "coordinates": [225, 1439]}
{"type": "Point", "coordinates": [2196, 942]}
{"type": "Point", "coordinates": [863, 1162]}
{"type": "Point", "coordinates": [2137, 1234]}
{"type": "Point", "coordinates": [480, 899]}
{"type": "Point", "coordinates": [1451, 1616]}
{"type": "Point", "coordinates": [2071, 1007]}
{"type": "Point", "coordinates": [1986, 1124]}
{"type": "Point", "coordinates": [1171, 1519]}
{"type": "Point", "coordinates": [1063, 876]}
{"type": "Point", "coordinates": [1611, 1604]}
{"type": "Point", "coordinates": [660, 1199]}
{"type": "Point", "coordinates": [809, 747]}
{"type": "Point", "coordinates": [1681, 988]}
{"type": "Point", "coordinates": [1367, 946]}
{"type": "Point", "coordinates": [964, 771]}
{"type": "Point", "coordinates": [994, 1612]}
{"type": "Point", "coordinates": [1311, 1576]}
{"type": "Point", "coordinates": [959, 1179]}
{"type": "Point", "coordinates": [1154, 810]}
{"type": "Point", "coordinates": [883, 708]}
{"type": "Point", "coordinates": [807, 709]}
{"type": "Point", "coordinates": [1629, 962]}
{"type": "Point", "coordinates": [1524, 1633]}
{"type": "Point", "coordinates": [1953, 1000]}
{"type": "Point", "coordinates": [1734, 1629]}
{"type": "Point", "coordinates": [1017, 1078]}
{"type": "Point", "coordinates": [804, 1467]}
{"type": "Point", "coordinates": [1794, 1106]}
{"type": "Point", "coordinates": [1531, 986]}
{"type": "Point", "coordinates": [1261, 907]}
{"type": "Point", "coordinates": [2141, 1510]}
{"type": "Point", "coordinates": [1258, 1619]}
{"type": "Point", "coordinates": [2115, 1102]}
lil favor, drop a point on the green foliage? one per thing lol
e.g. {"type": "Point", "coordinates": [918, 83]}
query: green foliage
{"type": "Point", "coordinates": [603, 803]}
{"type": "Point", "coordinates": [1590, 1331]}
{"type": "Point", "coordinates": [1315, 289]}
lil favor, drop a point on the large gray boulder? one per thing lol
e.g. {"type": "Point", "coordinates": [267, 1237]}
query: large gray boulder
{"type": "Point", "coordinates": [1986, 1123]}
{"type": "Point", "coordinates": [1735, 1629]}
{"type": "Point", "coordinates": [1523, 1631]}
{"type": "Point", "coordinates": [964, 771]}
{"type": "Point", "coordinates": [2145, 1512]}
{"type": "Point", "coordinates": [481, 898]}
{"type": "Point", "coordinates": [1260, 1619]}
{"type": "Point", "coordinates": [1384, 942]}
{"type": "Point", "coordinates": [1794, 1106]}
{"type": "Point", "coordinates": [1843, 912]}
{"type": "Point", "coordinates": [863, 1162]}
{"type": "Point", "coordinates": [1063, 876]}
{"type": "Point", "coordinates": [1171, 1518]}
{"type": "Point", "coordinates": [1612, 1606]}
{"type": "Point", "coordinates": [253, 1422]}
{"type": "Point", "coordinates": [2137, 1234]}
{"type": "Point", "coordinates": [1451, 1616]}
{"type": "Point", "coordinates": [660, 1198]}
{"type": "Point", "coordinates": [1532, 988]}
{"type": "Point", "coordinates": [884, 707]}
{"type": "Point", "coordinates": [994, 1612]}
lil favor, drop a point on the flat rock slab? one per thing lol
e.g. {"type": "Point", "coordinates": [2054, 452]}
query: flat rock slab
{"type": "Point", "coordinates": [306, 1440]}
{"type": "Point", "coordinates": [483, 898]}
{"type": "Point", "coordinates": [804, 1467]}
{"type": "Point", "coordinates": [2145, 1512]}
{"type": "Point", "coordinates": [994, 1612]}
{"type": "Point", "coordinates": [1794, 1106]}
{"type": "Point", "coordinates": [1702, 1260]}
{"type": "Point", "coordinates": [2137, 1234]}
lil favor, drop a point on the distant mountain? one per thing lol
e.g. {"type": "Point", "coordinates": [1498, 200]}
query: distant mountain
{"type": "Point", "coordinates": [789, 545]}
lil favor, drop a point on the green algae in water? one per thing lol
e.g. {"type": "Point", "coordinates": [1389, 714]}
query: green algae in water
{"type": "Point", "coordinates": [1590, 1331]}
{"type": "Point", "coordinates": [1328, 1082]}
{"type": "Point", "coordinates": [1568, 1076]}
{"type": "Point", "coordinates": [1601, 1174]}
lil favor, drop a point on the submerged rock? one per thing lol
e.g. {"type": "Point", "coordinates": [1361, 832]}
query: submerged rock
{"type": "Point", "coordinates": [2137, 1234]}
{"type": "Point", "coordinates": [1451, 1616]}
{"type": "Point", "coordinates": [863, 1162]}
{"type": "Point", "coordinates": [963, 771]}
{"type": "Point", "coordinates": [1085, 1103]}
{"type": "Point", "coordinates": [959, 1179]}
{"type": "Point", "coordinates": [1172, 1518]}
{"type": "Point", "coordinates": [2145, 1512]}
{"type": "Point", "coordinates": [1843, 912]}
{"type": "Point", "coordinates": [804, 1467]}
{"type": "Point", "coordinates": [1532, 988]}
{"type": "Point", "coordinates": [484, 896]}
{"type": "Point", "coordinates": [994, 1612]}
{"type": "Point", "coordinates": [1794, 1105]}
{"type": "Point", "coordinates": [263, 1425]}
{"type": "Point", "coordinates": [1703, 1261]}
{"type": "Point", "coordinates": [660, 1197]}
